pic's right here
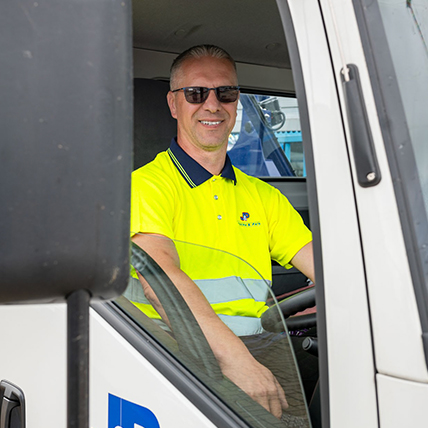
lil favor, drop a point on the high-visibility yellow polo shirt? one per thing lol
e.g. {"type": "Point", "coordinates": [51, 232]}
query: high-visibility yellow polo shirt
{"type": "Point", "coordinates": [232, 212]}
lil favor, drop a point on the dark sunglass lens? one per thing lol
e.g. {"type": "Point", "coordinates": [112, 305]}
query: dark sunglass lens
{"type": "Point", "coordinates": [196, 95]}
{"type": "Point", "coordinates": [227, 94]}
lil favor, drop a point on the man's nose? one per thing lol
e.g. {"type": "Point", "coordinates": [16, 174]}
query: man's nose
{"type": "Point", "coordinates": [212, 103]}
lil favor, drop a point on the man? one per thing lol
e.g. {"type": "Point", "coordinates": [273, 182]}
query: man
{"type": "Point", "coordinates": [170, 197]}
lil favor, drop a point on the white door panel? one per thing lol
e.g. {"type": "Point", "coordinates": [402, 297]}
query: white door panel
{"type": "Point", "coordinates": [117, 368]}
{"type": "Point", "coordinates": [394, 314]}
{"type": "Point", "coordinates": [33, 357]}
{"type": "Point", "coordinates": [350, 354]}
{"type": "Point", "coordinates": [402, 403]}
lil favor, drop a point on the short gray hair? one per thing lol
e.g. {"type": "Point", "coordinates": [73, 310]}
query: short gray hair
{"type": "Point", "coordinates": [199, 51]}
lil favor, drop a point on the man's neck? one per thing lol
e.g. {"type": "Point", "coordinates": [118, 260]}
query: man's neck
{"type": "Point", "coordinates": [212, 160]}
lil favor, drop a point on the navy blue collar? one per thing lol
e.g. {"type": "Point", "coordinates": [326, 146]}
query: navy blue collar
{"type": "Point", "coordinates": [192, 172]}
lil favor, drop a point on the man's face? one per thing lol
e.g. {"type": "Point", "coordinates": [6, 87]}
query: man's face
{"type": "Point", "coordinates": [206, 126]}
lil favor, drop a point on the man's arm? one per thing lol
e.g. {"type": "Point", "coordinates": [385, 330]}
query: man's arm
{"type": "Point", "coordinates": [304, 261]}
{"type": "Point", "coordinates": [234, 359]}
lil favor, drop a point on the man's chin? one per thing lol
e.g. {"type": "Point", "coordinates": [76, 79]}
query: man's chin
{"type": "Point", "coordinates": [213, 145]}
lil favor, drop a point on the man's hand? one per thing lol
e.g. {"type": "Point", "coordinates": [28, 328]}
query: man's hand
{"type": "Point", "coordinates": [258, 382]}
{"type": "Point", "coordinates": [235, 361]}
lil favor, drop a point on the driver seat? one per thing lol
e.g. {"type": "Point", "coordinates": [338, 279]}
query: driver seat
{"type": "Point", "coordinates": [154, 127]}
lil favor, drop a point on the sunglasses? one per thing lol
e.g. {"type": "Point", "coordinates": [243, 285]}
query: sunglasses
{"type": "Point", "coordinates": [199, 94]}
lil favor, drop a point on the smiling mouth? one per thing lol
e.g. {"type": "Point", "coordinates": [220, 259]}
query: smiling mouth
{"type": "Point", "coordinates": [211, 122]}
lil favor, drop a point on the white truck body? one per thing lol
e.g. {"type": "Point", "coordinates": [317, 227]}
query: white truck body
{"type": "Point", "coordinates": [373, 364]}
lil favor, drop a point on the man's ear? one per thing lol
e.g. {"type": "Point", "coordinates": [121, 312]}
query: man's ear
{"type": "Point", "coordinates": [171, 104]}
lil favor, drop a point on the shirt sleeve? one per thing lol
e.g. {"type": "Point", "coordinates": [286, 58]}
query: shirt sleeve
{"type": "Point", "coordinates": [152, 204]}
{"type": "Point", "coordinates": [288, 233]}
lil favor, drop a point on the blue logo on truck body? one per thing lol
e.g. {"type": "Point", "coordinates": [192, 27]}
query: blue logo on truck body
{"type": "Point", "coordinates": [124, 414]}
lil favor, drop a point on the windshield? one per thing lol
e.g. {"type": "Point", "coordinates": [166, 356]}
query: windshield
{"type": "Point", "coordinates": [267, 139]}
{"type": "Point", "coordinates": [408, 126]}
{"type": "Point", "coordinates": [156, 304]}
{"type": "Point", "coordinates": [406, 27]}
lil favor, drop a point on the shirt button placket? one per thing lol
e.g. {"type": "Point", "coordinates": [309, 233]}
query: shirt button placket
{"type": "Point", "coordinates": [215, 181]}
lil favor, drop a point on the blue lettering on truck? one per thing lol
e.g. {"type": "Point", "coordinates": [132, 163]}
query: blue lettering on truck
{"type": "Point", "coordinates": [124, 414]}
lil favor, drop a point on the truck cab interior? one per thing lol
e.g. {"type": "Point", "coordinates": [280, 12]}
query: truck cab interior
{"type": "Point", "coordinates": [264, 74]}
{"type": "Point", "coordinates": [267, 139]}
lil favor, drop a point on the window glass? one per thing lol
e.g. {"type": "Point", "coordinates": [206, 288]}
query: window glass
{"type": "Point", "coordinates": [222, 277]}
{"type": "Point", "coordinates": [409, 53]}
{"type": "Point", "coordinates": [406, 27]}
{"type": "Point", "coordinates": [267, 140]}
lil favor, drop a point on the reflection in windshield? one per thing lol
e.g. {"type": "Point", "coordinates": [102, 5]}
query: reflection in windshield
{"type": "Point", "coordinates": [267, 140]}
{"type": "Point", "coordinates": [409, 4]}
{"type": "Point", "coordinates": [406, 27]}
{"type": "Point", "coordinates": [240, 282]}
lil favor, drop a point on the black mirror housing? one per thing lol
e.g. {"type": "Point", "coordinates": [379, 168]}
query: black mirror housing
{"type": "Point", "coordinates": [66, 149]}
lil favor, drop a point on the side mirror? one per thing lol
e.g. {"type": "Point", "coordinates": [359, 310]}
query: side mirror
{"type": "Point", "coordinates": [66, 149]}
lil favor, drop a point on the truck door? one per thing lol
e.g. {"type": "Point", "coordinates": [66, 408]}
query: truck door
{"type": "Point", "coordinates": [369, 181]}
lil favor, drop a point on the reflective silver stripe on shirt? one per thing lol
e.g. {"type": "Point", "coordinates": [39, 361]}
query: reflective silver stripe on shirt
{"type": "Point", "coordinates": [233, 288]}
{"type": "Point", "coordinates": [219, 291]}
{"type": "Point", "coordinates": [242, 326]}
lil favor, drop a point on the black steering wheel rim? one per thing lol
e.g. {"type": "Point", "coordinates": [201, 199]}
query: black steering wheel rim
{"type": "Point", "coordinates": [271, 320]}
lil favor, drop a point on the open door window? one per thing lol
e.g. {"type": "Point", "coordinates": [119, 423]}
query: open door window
{"type": "Point", "coordinates": [262, 328]}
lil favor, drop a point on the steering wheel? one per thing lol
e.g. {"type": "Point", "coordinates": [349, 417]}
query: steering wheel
{"type": "Point", "coordinates": [186, 329]}
{"type": "Point", "coordinates": [271, 320]}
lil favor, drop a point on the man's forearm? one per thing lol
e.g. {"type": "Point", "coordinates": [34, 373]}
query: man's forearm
{"type": "Point", "coordinates": [304, 261]}
{"type": "Point", "coordinates": [233, 357]}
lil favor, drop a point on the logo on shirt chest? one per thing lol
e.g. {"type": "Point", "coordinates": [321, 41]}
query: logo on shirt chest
{"type": "Point", "coordinates": [245, 216]}
{"type": "Point", "coordinates": [244, 220]}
